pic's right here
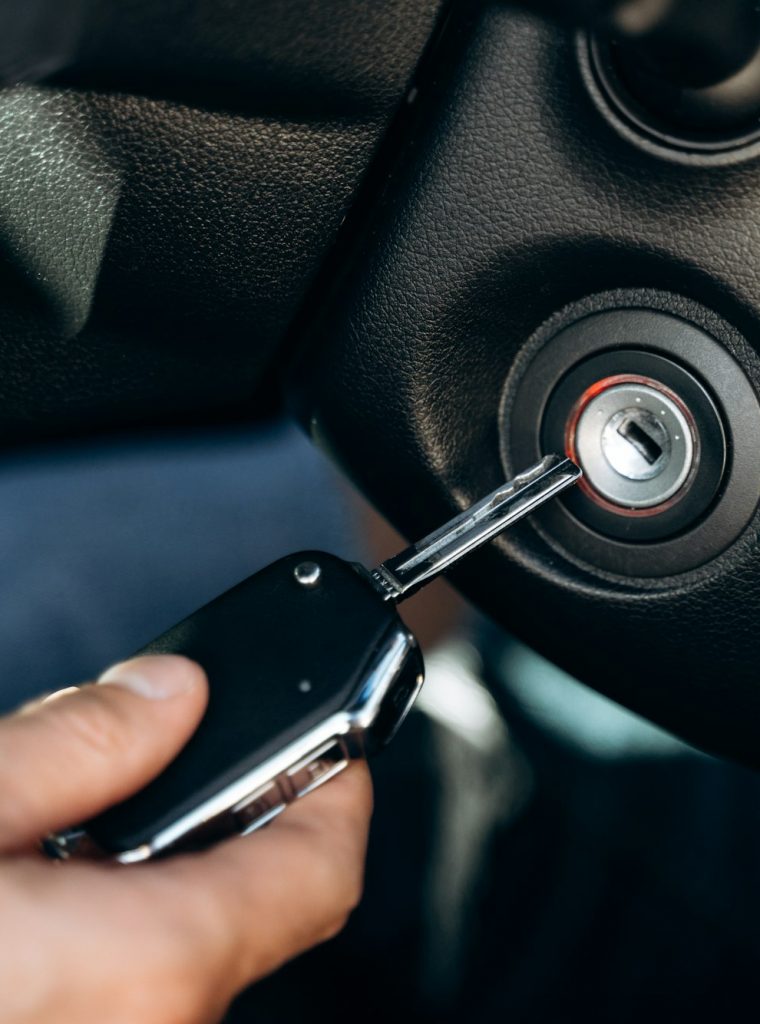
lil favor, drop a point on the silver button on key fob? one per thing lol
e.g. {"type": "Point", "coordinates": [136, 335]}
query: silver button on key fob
{"type": "Point", "coordinates": [309, 665]}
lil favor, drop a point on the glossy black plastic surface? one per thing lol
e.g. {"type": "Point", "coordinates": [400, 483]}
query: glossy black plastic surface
{"type": "Point", "coordinates": [259, 644]}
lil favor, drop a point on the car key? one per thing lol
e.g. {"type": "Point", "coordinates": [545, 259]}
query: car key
{"type": "Point", "coordinates": [309, 665]}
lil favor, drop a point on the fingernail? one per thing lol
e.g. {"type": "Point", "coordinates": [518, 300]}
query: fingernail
{"type": "Point", "coordinates": [157, 677]}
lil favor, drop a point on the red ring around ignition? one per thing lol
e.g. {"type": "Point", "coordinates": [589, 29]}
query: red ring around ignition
{"type": "Point", "coordinates": [570, 449]}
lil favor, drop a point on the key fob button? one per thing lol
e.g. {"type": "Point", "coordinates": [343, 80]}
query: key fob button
{"type": "Point", "coordinates": [319, 767]}
{"type": "Point", "coordinates": [259, 808]}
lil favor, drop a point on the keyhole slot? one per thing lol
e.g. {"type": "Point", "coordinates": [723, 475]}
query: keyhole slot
{"type": "Point", "coordinates": [636, 443]}
{"type": "Point", "coordinates": [645, 445]}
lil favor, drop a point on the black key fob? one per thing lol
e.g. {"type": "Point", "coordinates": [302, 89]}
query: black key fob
{"type": "Point", "coordinates": [308, 666]}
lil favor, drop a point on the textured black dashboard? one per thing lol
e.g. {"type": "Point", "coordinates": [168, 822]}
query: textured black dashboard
{"type": "Point", "coordinates": [516, 200]}
{"type": "Point", "coordinates": [165, 205]}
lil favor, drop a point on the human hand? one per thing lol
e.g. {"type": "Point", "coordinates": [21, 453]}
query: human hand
{"type": "Point", "coordinates": [170, 942]}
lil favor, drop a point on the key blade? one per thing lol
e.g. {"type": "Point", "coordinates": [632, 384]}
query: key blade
{"type": "Point", "coordinates": [405, 573]}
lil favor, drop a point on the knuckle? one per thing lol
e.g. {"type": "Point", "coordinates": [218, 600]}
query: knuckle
{"type": "Point", "coordinates": [356, 891]}
{"type": "Point", "coordinates": [198, 933]}
{"type": "Point", "coordinates": [351, 895]}
{"type": "Point", "coordinates": [181, 1000]}
{"type": "Point", "coordinates": [169, 998]}
{"type": "Point", "coordinates": [192, 978]}
{"type": "Point", "coordinates": [340, 878]}
{"type": "Point", "coordinates": [334, 928]}
{"type": "Point", "coordinates": [363, 789]}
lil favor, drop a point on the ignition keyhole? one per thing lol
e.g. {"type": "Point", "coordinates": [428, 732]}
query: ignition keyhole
{"type": "Point", "coordinates": [645, 445]}
{"type": "Point", "coordinates": [645, 430]}
{"type": "Point", "coordinates": [635, 442]}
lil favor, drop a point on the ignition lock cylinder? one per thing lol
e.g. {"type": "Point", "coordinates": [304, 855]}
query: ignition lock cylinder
{"type": "Point", "coordinates": [637, 443]}
{"type": "Point", "coordinates": [649, 438]}
{"type": "Point", "coordinates": [662, 420]}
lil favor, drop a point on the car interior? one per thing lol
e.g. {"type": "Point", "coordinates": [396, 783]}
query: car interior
{"type": "Point", "coordinates": [324, 273]}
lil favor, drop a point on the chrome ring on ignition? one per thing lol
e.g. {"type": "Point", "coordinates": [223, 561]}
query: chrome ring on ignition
{"type": "Point", "coordinates": [636, 442]}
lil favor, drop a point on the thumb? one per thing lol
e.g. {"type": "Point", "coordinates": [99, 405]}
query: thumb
{"type": "Point", "coordinates": [67, 758]}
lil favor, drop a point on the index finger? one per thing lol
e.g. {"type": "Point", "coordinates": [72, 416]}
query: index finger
{"type": "Point", "coordinates": [259, 900]}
